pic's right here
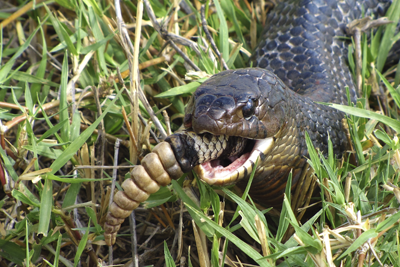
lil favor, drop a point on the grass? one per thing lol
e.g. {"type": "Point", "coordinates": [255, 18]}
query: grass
{"type": "Point", "coordinates": [70, 100]}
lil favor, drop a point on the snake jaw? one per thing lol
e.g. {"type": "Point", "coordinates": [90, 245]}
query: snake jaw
{"type": "Point", "coordinates": [213, 173]}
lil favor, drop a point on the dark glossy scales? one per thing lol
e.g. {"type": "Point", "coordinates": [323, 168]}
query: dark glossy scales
{"type": "Point", "coordinates": [303, 46]}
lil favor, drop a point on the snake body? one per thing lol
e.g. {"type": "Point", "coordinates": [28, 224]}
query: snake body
{"type": "Point", "coordinates": [238, 117]}
{"type": "Point", "coordinates": [274, 131]}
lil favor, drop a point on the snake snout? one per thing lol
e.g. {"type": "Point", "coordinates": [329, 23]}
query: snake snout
{"type": "Point", "coordinates": [249, 103]}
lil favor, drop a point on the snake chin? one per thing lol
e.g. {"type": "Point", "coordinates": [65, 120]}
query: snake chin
{"type": "Point", "coordinates": [228, 171]}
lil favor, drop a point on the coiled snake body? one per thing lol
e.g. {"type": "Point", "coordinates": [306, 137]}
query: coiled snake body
{"type": "Point", "coordinates": [240, 116]}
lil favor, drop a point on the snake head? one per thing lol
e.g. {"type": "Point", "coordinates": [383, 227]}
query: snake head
{"type": "Point", "coordinates": [231, 121]}
{"type": "Point", "coordinates": [240, 116]}
{"type": "Point", "coordinates": [248, 103]}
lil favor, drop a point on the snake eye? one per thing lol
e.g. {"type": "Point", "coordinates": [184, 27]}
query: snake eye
{"type": "Point", "coordinates": [248, 109]}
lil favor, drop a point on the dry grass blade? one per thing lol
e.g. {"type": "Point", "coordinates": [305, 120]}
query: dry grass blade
{"type": "Point", "coordinates": [262, 234]}
{"type": "Point", "coordinates": [201, 247]}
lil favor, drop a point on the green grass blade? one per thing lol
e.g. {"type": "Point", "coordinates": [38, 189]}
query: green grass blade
{"type": "Point", "coordinates": [247, 212]}
{"type": "Point", "coordinates": [46, 88]}
{"type": "Point", "coordinates": [43, 150]}
{"type": "Point", "coordinates": [46, 203]}
{"type": "Point", "coordinates": [67, 3]}
{"type": "Point", "coordinates": [57, 255]}
{"type": "Point", "coordinates": [148, 44]}
{"type": "Point", "coordinates": [392, 123]}
{"type": "Point", "coordinates": [78, 26]}
{"type": "Point", "coordinates": [180, 90]}
{"type": "Point", "coordinates": [305, 227]}
{"type": "Point", "coordinates": [81, 246]}
{"type": "Point", "coordinates": [15, 99]}
{"type": "Point", "coordinates": [98, 45]}
{"type": "Point", "coordinates": [290, 213]}
{"type": "Point", "coordinates": [77, 143]}
{"type": "Point", "coordinates": [74, 38]}
{"type": "Point", "coordinates": [75, 180]}
{"type": "Point", "coordinates": [160, 197]}
{"type": "Point", "coordinates": [98, 35]}
{"type": "Point", "coordinates": [393, 92]}
{"type": "Point", "coordinates": [393, 14]}
{"type": "Point", "coordinates": [169, 261]}
{"type": "Point", "coordinates": [229, 8]}
{"type": "Point", "coordinates": [351, 59]}
{"type": "Point", "coordinates": [251, 252]}
{"type": "Point", "coordinates": [289, 252]}
{"type": "Point", "coordinates": [8, 165]}
{"type": "Point", "coordinates": [389, 222]}
{"type": "Point", "coordinates": [215, 251]}
{"type": "Point", "coordinates": [312, 244]}
{"type": "Point", "coordinates": [95, 6]}
{"type": "Point", "coordinates": [1, 45]}
{"type": "Point", "coordinates": [12, 252]}
{"type": "Point", "coordinates": [245, 194]}
{"type": "Point", "coordinates": [61, 33]}
{"type": "Point", "coordinates": [223, 32]}
{"type": "Point", "coordinates": [34, 79]}
{"type": "Point", "coordinates": [285, 212]}
{"type": "Point", "coordinates": [35, 89]}
{"type": "Point", "coordinates": [359, 242]}
{"type": "Point", "coordinates": [233, 56]}
{"type": "Point", "coordinates": [383, 136]}
{"type": "Point", "coordinates": [375, 42]}
{"type": "Point", "coordinates": [25, 195]}
{"type": "Point", "coordinates": [204, 226]}
{"type": "Point", "coordinates": [71, 194]}
{"type": "Point", "coordinates": [52, 130]}
{"type": "Point", "coordinates": [397, 76]}
{"type": "Point", "coordinates": [6, 68]}
{"type": "Point", "coordinates": [75, 125]}
{"type": "Point", "coordinates": [315, 162]}
{"type": "Point", "coordinates": [248, 227]}
{"type": "Point", "coordinates": [92, 214]}
{"type": "Point", "coordinates": [64, 114]}
{"type": "Point", "coordinates": [27, 253]}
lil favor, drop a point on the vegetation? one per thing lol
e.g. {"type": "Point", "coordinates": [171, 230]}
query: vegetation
{"type": "Point", "coordinates": [80, 92]}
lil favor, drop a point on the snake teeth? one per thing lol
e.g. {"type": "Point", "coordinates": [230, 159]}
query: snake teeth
{"type": "Point", "coordinates": [214, 173]}
{"type": "Point", "coordinates": [157, 169]}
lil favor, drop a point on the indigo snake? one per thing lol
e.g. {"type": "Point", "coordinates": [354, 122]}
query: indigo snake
{"type": "Point", "coordinates": [261, 113]}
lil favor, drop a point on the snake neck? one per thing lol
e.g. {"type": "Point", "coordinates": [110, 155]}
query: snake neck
{"type": "Point", "coordinates": [290, 153]}
{"type": "Point", "coordinates": [320, 121]}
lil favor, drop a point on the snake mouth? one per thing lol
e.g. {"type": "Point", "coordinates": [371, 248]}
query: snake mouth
{"type": "Point", "coordinates": [226, 171]}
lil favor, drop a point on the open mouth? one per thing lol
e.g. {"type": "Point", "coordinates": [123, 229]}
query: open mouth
{"type": "Point", "coordinates": [225, 171]}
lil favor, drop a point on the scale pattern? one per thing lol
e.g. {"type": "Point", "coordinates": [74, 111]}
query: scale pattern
{"type": "Point", "coordinates": [303, 44]}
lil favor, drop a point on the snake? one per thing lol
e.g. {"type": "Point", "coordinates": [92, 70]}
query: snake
{"type": "Point", "coordinates": [255, 119]}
